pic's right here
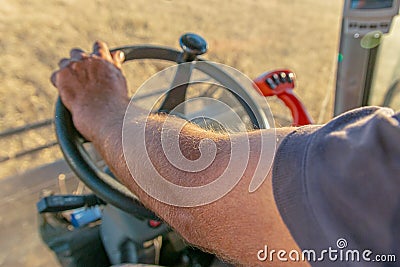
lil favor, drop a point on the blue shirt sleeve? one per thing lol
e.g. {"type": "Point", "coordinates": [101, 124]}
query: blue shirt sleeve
{"type": "Point", "coordinates": [341, 181]}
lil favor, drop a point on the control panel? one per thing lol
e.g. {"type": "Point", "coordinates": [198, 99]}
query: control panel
{"type": "Point", "coordinates": [363, 25]}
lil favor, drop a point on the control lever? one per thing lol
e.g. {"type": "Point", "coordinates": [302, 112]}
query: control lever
{"type": "Point", "coordinates": [281, 83]}
{"type": "Point", "coordinates": [59, 203]}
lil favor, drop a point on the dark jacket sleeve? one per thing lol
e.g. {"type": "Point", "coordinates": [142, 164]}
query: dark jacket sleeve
{"type": "Point", "coordinates": [341, 182]}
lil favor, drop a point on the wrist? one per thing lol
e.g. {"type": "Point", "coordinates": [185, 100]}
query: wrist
{"type": "Point", "coordinates": [95, 121]}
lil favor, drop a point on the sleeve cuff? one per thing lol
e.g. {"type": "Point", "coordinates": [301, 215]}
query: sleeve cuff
{"type": "Point", "coordinates": [290, 190]}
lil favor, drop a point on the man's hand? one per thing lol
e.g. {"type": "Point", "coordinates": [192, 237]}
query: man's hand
{"type": "Point", "coordinates": [92, 87]}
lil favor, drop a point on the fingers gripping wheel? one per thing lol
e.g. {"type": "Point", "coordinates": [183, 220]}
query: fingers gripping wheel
{"type": "Point", "coordinates": [281, 83]}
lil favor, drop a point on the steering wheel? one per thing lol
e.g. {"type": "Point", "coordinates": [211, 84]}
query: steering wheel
{"type": "Point", "coordinates": [72, 143]}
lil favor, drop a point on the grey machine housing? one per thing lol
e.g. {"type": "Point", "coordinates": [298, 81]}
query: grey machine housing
{"type": "Point", "coordinates": [361, 19]}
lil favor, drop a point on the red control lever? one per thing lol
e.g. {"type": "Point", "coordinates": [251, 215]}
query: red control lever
{"type": "Point", "coordinates": [281, 83]}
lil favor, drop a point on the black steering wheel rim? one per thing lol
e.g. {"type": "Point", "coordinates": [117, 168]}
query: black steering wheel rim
{"type": "Point", "coordinates": [103, 185]}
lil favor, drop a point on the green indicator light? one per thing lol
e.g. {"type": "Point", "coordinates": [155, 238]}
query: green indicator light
{"type": "Point", "coordinates": [340, 57]}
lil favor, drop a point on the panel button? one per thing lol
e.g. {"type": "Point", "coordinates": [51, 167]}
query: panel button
{"type": "Point", "coordinates": [271, 83]}
{"type": "Point", "coordinates": [290, 77]}
{"type": "Point", "coordinates": [276, 79]}
{"type": "Point", "coordinates": [282, 77]}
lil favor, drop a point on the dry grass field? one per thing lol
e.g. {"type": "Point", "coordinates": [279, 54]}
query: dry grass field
{"type": "Point", "coordinates": [252, 36]}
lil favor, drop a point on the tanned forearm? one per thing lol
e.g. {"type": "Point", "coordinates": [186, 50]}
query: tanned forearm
{"type": "Point", "coordinates": [237, 225]}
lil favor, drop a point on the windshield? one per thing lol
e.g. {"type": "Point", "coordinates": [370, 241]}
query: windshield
{"type": "Point", "coordinates": [386, 87]}
{"type": "Point", "coordinates": [251, 36]}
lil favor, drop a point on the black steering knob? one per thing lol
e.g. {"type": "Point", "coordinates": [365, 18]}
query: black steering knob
{"type": "Point", "coordinates": [193, 45]}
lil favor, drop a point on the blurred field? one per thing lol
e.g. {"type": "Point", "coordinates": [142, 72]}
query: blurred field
{"type": "Point", "coordinates": [252, 36]}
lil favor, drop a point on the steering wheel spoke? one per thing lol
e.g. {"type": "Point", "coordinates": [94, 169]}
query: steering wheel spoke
{"type": "Point", "coordinates": [177, 93]}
